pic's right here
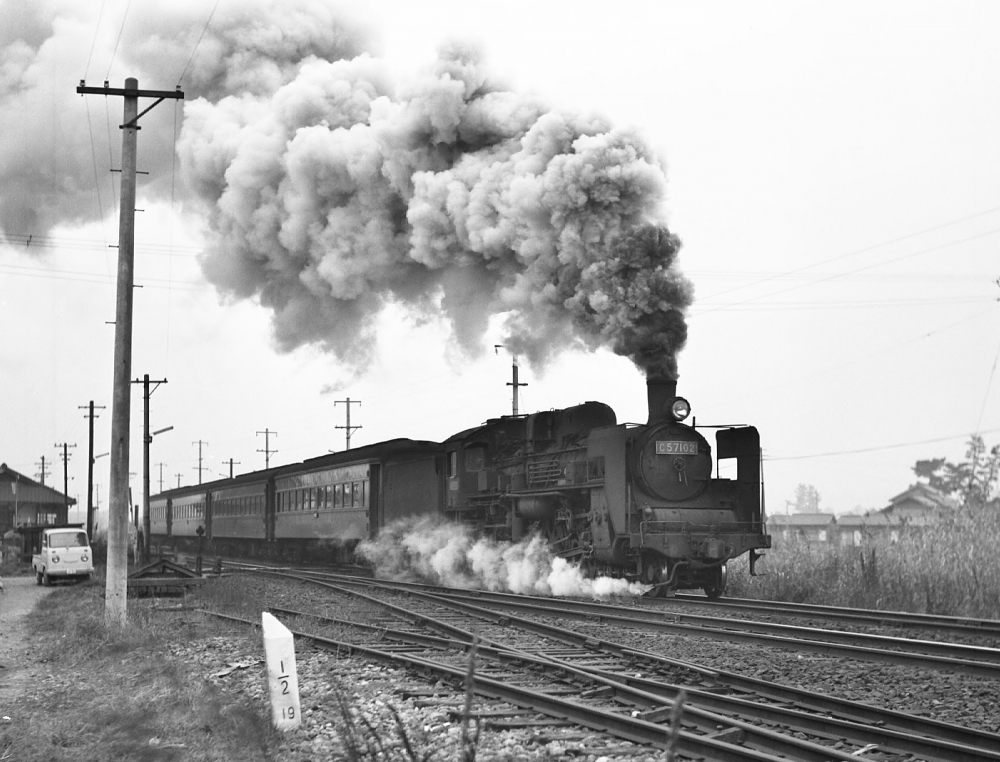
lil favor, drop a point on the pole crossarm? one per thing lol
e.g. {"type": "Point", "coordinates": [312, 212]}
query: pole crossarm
{"type": "Point", "coordinates": [161, 94]}
{"type": "Point", "coordinates": [133, 123]}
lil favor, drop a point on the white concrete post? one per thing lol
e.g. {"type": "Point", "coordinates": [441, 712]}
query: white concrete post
{"type": "Point", "coordinates": [282, 682]}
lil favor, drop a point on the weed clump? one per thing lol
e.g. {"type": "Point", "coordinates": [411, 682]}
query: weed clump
{"type": "Point", "coordinates": [948, 567]}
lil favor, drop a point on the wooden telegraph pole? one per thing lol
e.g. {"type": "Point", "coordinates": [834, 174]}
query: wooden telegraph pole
{"type": "Point", "coordinates": [147, 440]}
{"type": "Point", "coordinates": [116, 589]}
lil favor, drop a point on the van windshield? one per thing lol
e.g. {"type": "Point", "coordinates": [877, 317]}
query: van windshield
{"type": "Point", "coordinates": [68, 540]}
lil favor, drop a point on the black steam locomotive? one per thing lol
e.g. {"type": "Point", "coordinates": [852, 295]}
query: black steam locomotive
{"type": "Point", "coordinates": [635, 501]}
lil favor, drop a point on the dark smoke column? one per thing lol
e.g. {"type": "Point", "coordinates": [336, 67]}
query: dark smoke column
{"type": "Point", "coordinates": [341, 192]}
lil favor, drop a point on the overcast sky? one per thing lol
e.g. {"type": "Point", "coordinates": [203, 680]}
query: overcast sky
{"type": "Point", "coordinates": [832, 171]}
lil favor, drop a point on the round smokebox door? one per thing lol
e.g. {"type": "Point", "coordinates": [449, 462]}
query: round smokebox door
{"type": "Point", "coordinates": [673, 462]}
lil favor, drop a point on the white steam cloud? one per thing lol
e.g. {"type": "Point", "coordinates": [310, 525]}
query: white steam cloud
{"type": "Point", "coordinates": [429, 550]}
{"type": "Point", "coordinates": [332, 190]}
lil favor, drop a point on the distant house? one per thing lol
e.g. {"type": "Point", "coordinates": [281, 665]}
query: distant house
{"type": "Point", "coordinates": [871, 527]}
{"type": "Point", "coordinates": [803, 527]}
{"type": "Point", "coordinates": [919, 504]}
{"type": "Point", "coordinates": [25, 502]}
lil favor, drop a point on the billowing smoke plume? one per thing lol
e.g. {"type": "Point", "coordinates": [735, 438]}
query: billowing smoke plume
{"type": "Point", "coordinates": [427, 550]}
{"type": "Point", "coordinates": [341, 192]}
{"type": "Point", "coordinates": [52, 137]}
{"type": "Point", "coordinates": [333, 190]}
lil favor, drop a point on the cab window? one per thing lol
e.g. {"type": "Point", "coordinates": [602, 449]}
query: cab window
{"type": "Point", "coordinates": [475, 458]}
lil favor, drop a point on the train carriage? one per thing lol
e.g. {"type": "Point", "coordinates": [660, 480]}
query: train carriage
{"type": "Point", "coordinates": [189, 517]}
{"type": "Point", "coordinates": [240, 515]}
{"type": "Point", "coordinates": [159, 513]}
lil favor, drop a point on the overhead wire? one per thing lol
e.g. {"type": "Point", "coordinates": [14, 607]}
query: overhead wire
{"type": "Point", "coordinates": [989, 386]}
{"type": "Point", "coordinates": [97, 183]}
{"type": "Point", "coordinates": [865, 249]}
{"type": "Point", "coordinates": [118, 41]}
{"type": "Point", "coordinates": [881, 352]}
{"type": "Point", "coordinates": [197, 44]}
{"type": "Point", "coordinates": [93, 44]}
{"type": "Point", "coordinates": [878, 448]}
{"type": "Point", "coordinates": [908, 255]}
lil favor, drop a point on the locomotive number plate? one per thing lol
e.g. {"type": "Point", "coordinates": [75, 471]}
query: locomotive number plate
{"type": "Point", "coordinates": [669, 447]}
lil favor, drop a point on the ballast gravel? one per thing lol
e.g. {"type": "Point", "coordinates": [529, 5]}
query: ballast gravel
{"type": "Point", "coordinates": [347, 700]}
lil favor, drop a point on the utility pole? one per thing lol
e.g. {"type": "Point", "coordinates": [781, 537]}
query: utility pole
{"type": "Point", "coordinates": [116, 589]}
{"type": "Point", "coordinates": [160, 466]}
{"type": "Point", "coordinates": [348, 427]}
{"type": "Point", "coordinates": [267, 446]}
{"type": "Point", "coordinates": [200, 467]}
{"type": "Point", "coordinates": [231, 462]}
{"type": "Point", "coordinates": [65, 459]}
{"type": "Point", "coordinates": [147, 440]}
{"type": "Point", "coordinates": [44, 472]}
{"type": "Point", "coordinates": [178, 480]}
{"type": "Point", "coordinates": [90, 467]}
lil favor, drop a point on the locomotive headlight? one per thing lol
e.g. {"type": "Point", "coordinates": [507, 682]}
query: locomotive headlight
{"type": "Point", "coordinates": [680, 408]}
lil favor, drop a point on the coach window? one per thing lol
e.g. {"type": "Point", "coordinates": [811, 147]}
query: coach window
{"type": "Point", "coordinates": [474, 459]}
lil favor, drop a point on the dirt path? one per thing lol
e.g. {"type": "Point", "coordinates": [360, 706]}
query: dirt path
{"type": "Point", "coordinates": [20, 596]}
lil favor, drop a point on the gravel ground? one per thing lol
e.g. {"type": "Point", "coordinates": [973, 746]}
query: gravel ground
{"type": "Point", "coordinates": [432, 722]}
{"type": "Point", "coordinates": [397, 707]}
{"type": "Point", "coordinates": [19, 597]}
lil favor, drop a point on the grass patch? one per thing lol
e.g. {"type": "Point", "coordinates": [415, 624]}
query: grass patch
{"type": "Point", "coordinates": [121, 694]}
{"type": "Point", "coordinates": [947, 568]}
{"type": "Point", "coordinates": [142, 693]}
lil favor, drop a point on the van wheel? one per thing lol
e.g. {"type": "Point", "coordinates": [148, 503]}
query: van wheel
{"type": "Point", "coordinates": [38, 578]}
{"type": "Point", "coordinates": [46, 579]}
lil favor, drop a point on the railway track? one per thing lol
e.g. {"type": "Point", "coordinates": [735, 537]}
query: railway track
{"type": "Point", "coordinates": [634, 695]}
{"type": "Point", "coordinates": [982, 661]}
{"type": "Point", "coordinates": [951, 625]}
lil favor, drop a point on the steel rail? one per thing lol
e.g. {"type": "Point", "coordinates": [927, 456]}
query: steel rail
{"type": "Point", "coordinates": [807, 699]}
{"type": "Point", "coordinates": [854, 711]}
{"type": "Point", "coordinates": [657, 610]}
{"type": "Point", "coordinates": [622, 726]}
{"type": "Point", "coordinates": [839, 645]}
{"type": "Point", "coordinates": [817, 702]}
{"type": "Point", "coordinates": [953, 624]}
{"type": "Point", "coordinates": [704, 709]}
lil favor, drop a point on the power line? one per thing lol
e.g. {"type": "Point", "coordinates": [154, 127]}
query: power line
{"type": "Point", "coordinates": [872, 247]}
{"type": "Point", "coordinates": [93, 44]}
{"type": "Point", "coordinates": [851, 272]}
{"type": "Point", "coordinates": [879, 447]}
{"type": "Point", "coordinates": [195, 50]}
{"type": "Point", "coordinates": [117, 41]}
{"type": "Point", "coordinates": [989, 385]}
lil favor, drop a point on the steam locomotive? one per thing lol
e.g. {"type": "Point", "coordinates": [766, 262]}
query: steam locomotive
{"type": "Point", "coordinates": [634, 501]}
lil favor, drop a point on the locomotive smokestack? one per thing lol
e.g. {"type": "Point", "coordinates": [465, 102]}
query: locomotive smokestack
{"type": "Point", "coordinates": [659, 393]}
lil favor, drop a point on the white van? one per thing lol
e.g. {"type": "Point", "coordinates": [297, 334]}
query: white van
{"type": "Point", "coordinates": [64, 553]}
